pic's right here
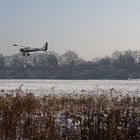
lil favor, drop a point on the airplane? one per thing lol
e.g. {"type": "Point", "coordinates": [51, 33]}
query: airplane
{"type": "Point", "coordinates": [26, 50]}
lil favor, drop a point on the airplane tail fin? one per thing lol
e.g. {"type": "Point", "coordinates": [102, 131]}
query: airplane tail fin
{"type": "Point", "coordinates": [45, 48]}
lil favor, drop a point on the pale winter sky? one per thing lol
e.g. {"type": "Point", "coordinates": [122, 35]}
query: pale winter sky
{"type": "Point", "coordinates": [92, 28]}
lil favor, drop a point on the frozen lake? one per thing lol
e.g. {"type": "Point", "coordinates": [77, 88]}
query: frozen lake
{"type": "Point", "coordinates": [70, 85]}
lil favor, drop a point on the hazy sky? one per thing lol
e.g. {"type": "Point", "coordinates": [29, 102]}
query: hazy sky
{"type": "Point", "coordinates": [92, 28]}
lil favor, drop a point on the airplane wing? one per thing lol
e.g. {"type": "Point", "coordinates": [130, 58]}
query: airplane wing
{"type": "Point", "coordinates": [25, 47]}
{"type": "Point", "coordinates": [15, 44]}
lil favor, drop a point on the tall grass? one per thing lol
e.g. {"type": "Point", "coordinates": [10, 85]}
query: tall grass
{"type": "Point", "coordinates": [90, 116]}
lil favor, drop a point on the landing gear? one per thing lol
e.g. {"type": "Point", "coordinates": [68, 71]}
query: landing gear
{"type": "Point", "coordinates": [24, 54]}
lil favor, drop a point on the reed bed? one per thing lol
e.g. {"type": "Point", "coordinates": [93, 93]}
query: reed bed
{"type": "Point", "coordinates": [92, 116]}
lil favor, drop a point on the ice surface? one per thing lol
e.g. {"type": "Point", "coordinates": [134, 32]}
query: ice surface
{"type": "Point", "coordinates": [58, 86]}
{"type": "Point", "coordinates": [40, 86]}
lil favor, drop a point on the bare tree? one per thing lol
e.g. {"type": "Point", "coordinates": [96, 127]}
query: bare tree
{"type": "Point", "coordinates": [70, 58]}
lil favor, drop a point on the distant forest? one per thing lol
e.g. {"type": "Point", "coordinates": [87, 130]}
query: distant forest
{"type": "Point", "coordinates": [120, 65]}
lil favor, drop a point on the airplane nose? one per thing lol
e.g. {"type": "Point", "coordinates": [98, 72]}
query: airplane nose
{"type": "Point", "coordinates": [22, 50]}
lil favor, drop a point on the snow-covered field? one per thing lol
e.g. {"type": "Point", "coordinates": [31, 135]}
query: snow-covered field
{"type": "Point", "coordinates": [41, 86]}
{"type": "Point", "coordinates": [107, 108]}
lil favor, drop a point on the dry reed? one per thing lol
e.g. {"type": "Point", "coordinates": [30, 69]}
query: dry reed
{"type": "Point", "coordinates": [91, 116]}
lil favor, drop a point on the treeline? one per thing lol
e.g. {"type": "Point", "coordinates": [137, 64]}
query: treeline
{"type": "Point", "coordinates": [120, 65]}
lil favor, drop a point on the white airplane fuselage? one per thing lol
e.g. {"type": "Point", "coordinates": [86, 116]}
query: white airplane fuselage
{"type": "Point", "coordinates": [27, 50]}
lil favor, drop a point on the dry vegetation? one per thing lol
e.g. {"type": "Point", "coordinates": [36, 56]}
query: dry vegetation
{"type": "Point", "coordinates": [90, 116]}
